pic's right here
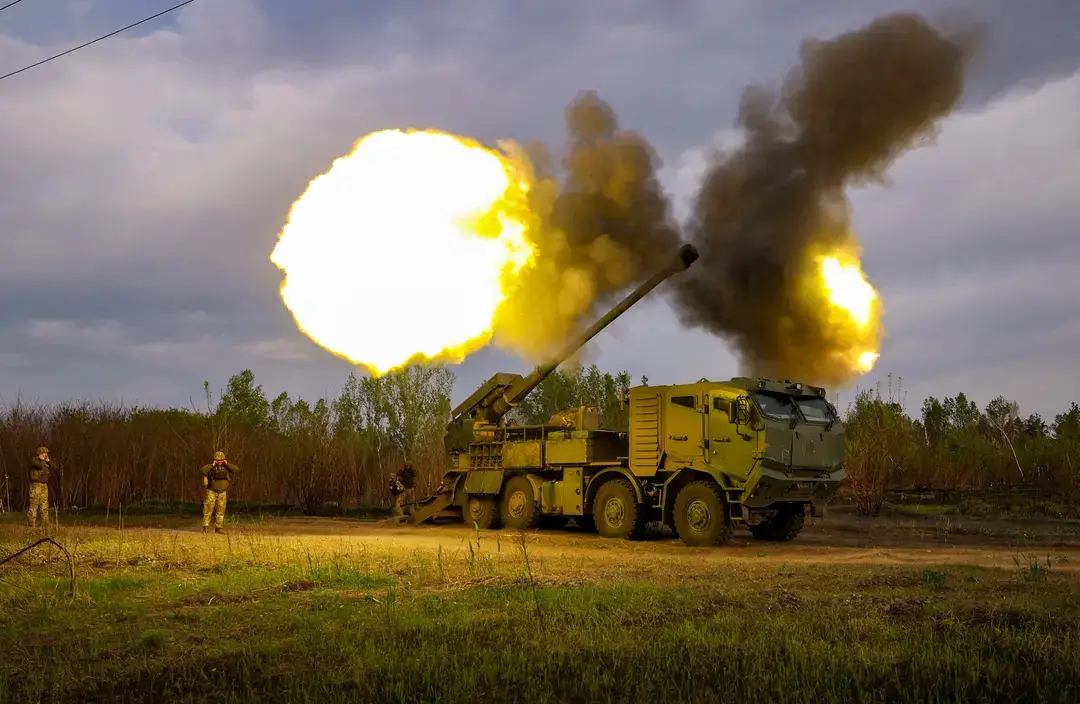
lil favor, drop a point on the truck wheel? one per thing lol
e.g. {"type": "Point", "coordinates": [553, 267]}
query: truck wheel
{"type": "Point", "coordinates": [785, 525]}
{"type": "Point", "coordinates": [519, 509]}
{"type": "Point", "coordinates": [483, 510]}
{"type": "Point", "coordinates": [617, 512]}
{"type": "Point", "coordinates": [702, 516]}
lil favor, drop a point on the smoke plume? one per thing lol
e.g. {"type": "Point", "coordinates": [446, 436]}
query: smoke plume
{"type": "Point", "coordinates": [765, 214]}
{"type": "Point", "coordinates": [767, 211]}
{"type": "Point", "coordinates": [603, 226]}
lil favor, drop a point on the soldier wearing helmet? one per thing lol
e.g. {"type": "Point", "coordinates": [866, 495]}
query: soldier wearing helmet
{"type": "Point", "coordinates": [216, 478]}
{"type": "Point", "coordinates": [40, 465]}
{"type": "Point", "coordinates": [397, 491]}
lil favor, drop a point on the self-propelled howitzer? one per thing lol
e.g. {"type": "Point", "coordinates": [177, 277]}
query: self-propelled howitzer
{"type": "Point", "coordinates": [699, 458]}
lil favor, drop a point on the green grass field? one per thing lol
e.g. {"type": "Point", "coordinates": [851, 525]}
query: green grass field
{"type": "Point", "coordinates": [271, 613]}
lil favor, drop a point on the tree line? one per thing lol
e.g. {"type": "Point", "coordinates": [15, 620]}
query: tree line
{"type": "Point", "coordinates": [337, 453]}
{"type": "Point", "coordinates": [952, 444]}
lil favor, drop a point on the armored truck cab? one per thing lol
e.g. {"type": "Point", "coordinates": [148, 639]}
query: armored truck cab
{"type": "Point", "coordinates": [768, 449]}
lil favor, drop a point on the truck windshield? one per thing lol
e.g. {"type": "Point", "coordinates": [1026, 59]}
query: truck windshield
{"type": "Point", "coordinates": [776, 406]}
{"type": "Point", "coordinates": [815, 409]}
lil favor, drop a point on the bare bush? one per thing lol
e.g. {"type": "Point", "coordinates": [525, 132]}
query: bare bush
{"type": "Point", "coordinates": [335, 454]}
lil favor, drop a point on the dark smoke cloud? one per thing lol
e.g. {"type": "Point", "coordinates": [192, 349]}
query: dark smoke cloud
{"type": "Point", "coordinates": [605, 225]}
{"type": "Point", "coordinates": [611, 190]}
{"type": "Point", "coordinates": [764, 215]}
{"type": "Point", "coordinates": [767, 209]}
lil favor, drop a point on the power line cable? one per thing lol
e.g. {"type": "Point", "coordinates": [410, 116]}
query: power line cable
{"type": "Point", "coordinates": [94, 41]}
{"type": "Point", "coordinates": [14, 2]}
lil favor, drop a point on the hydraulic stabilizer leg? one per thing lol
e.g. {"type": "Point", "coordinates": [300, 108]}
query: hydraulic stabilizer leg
{"type": "Point", "coordinates": [433, 505]}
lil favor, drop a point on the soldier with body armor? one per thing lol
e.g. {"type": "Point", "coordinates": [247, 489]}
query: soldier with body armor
{"type": "Point", "coordinates": [216, 477]}
{"type": "Point", "coordinates": [40, 464]}
{"type": "Point", "coordinates": [397, 491]}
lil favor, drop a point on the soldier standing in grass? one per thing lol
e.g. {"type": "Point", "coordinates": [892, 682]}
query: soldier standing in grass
{"type": "Point", "coordinates": [216, 477]}
{"type": "Point", "coordinates": [397, 490]}
{"type": "Point", "coordinates": [40, 464]}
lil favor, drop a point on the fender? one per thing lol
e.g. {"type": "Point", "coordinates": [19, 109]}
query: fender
{"type": "Point", "coordinates": [484, 481]}
{"type": "Point", "coordinates": [457, 489]}
{"type": "Point", "coordinates": [536, 482]}
{"type": "Point", "coordinates": [682, 477]}
{"type": "Point", "coordinates": [600, 477]}
{"type": "Point", "coordinates": [686, 473]}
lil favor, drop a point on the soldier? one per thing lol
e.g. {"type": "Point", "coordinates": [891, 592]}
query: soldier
{"type": "Point", "coordinates": [216, 477]}
{"type": "Point", "coordinates": [397, 490]}
{"type": "Point", "coordinates": [40, 464]}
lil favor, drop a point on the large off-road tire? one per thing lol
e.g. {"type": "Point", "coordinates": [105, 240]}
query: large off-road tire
{"type": "Point", "coordinates": [520, 509]}
{"type": "Point", "coordinates": [617, 512]}
{"type": "Point", "coordinates": [702, 515]}
{"type": "Point", "coordinates": [785, 525]}
{"type": "Point", "coordinates": [483, 510]}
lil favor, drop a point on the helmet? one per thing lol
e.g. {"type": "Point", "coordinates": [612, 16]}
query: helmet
{"type": "Point", "coordinates": [219, 455]}
{"type": "Point", "coordinates": [43, 450]}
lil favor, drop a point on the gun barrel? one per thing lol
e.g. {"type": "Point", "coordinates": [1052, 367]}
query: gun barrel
{"type": "Point", "coordinates": [517, 391]}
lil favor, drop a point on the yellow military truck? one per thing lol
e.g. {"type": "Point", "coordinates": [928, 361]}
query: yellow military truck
{"type": "Point", "coordinates": [700, 458]}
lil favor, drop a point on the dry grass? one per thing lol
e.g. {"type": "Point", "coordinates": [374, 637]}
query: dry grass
{"type": "Point", "coordinates": [276, 611]}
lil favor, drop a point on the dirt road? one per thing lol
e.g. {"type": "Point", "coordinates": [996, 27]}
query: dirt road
{"type": "Point", "coordinates": [836, 540]}
{"type": "Point", "coordinates": [839, 540]}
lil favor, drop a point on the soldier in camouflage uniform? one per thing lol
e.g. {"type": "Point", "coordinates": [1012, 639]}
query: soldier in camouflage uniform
{"type": "Point", "coordinates": [216, 477]}
{"type": "Point", "coordinates": [40, 464]}
{"type": "Point", "coordinates": [397, 490]}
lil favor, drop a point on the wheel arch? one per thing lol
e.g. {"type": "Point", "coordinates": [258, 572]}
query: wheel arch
{"type": "Point", "coordinates": [681, 478]}
{"type": "Point", "coordinates": [606, 475]}
{"type": "Point", "coordinates": [535, 481]}
{"type": "Point", "coordinates": [457, 487]}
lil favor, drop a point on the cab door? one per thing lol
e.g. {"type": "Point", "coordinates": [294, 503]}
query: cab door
{"type": "Point", "coordinates": [684, 428]}
{"type": "Point", "coordinates": [727, 450]}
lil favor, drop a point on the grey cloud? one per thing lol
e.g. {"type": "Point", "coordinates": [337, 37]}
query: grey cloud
{"type": "Point", "coordinates": [103, 335]}
{"type": "Point", "coordinates": [1017, 148]}
{"type": "Point", "coordinates": [13, 361]}
{"type": "Point", "coordinates": [145, 179]}
{"type": "Point", "coordinates": [89, 359]}
{"type": "Point", "coordinates": [974, 249]}
{"type": "Point", "coordinates": [985, 316]}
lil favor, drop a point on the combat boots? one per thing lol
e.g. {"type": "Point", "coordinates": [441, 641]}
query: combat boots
{"type": "Point", "coordinates": [219, 530]}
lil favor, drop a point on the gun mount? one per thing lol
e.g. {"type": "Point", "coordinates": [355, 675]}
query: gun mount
{"type": "Point", "coordinates": [500, 394]}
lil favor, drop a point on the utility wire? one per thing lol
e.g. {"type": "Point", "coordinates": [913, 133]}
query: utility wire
{"type": "Point", "coordinates": [14, 2]}
{"type": "Point", "coordinates": [93, 41]}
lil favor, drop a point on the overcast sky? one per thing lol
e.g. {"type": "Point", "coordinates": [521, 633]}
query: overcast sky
{"type": "Point", "coordinates": [143, 180]}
